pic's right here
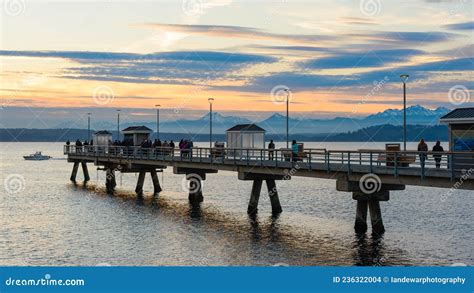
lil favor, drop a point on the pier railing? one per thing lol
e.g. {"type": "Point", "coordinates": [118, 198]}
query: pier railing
{"type": "Point", "coordinates": [451, 164]}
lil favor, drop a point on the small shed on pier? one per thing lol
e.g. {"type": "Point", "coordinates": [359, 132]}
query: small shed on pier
{"type": "Point", "coordinates": [461, 129]}
{"type": "Point", "coordinates": [102, 138]}
{"type": "Point", "coordinates": [136, 134]}
{"type": "Point", "coordinates": [245, 136]}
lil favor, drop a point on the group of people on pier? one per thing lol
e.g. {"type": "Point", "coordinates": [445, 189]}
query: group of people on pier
{"type": "Point", "coordinates": [186, 146]}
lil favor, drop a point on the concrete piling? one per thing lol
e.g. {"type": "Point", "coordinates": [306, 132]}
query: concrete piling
{"type": "Point", "coordinates": [110, 181]}
{"type": "Point", "coordinates": [140, 182]}
{"type": "Point", "coordinates": [74, 171]}
{"type": "Point", "coordinates": [273, 194]}
{"type": "Point", "coordinates": [361, 217]}
{"type": "Point", "coordinates": [85, 171]}
{"type": "Point", "coordinates": [156, 183]}
{"type": "Point", "coordinates": [376, 217]}
{"type": "Point", "coordinates": [254, 197]}
{"type": "Point", "coordinates": [195, 188]}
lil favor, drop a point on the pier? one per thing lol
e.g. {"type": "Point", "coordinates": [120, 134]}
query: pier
{"type": "Point", "coordinates": [369, 175]}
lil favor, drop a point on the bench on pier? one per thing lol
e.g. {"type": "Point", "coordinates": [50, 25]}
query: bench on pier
{"type": "Point", "coordinates": [218, 151]}
{"type": "Point", "coordinates": [389, 159]}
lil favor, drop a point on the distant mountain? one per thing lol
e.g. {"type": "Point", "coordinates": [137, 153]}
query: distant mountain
{"type": "Point", "coordinates": [276, 123]}
{"type": "Point", "coordinates": [387, 132]}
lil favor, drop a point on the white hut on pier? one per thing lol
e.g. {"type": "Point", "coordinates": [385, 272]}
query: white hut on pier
{"type": "Point", "coordinates": [102, 138]}
{"type": "Point", "coordinates": [136, 134]}
{"type": "Point", "coordinates": [245, 136]}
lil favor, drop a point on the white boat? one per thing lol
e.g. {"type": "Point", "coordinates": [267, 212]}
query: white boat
{"type": "Point", "coordinates": [37, 157]}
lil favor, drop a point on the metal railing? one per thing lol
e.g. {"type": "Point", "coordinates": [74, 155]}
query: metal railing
{"type": "Point", "coordinates": [452, 164]}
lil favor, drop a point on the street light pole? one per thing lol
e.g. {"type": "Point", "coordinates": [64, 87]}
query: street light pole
{"type": "Point", "coordinates": [210, 121]}
{"type": "Point", "coordinates": [157, 121]}
{"type": "Point", "coordinates": [88, 126]}
{"type": "Point", "coordinates": [287, 117]}
{"type": "Point", "coordinates": [404, 78]}
{"type": "Point", "coordinates": [118, 124]}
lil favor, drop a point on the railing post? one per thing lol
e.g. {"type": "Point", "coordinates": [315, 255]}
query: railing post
{"type": "Point", "coordinates": [328, 155]}
{"type": "Point", "coordinates": [349, 162]}
{"type": "Point", "coordinates": [451, 165]}
{"type": "Point", "coordinates": [371, 160]}
{"type": "Point", "coordinates": [309, 160]}
{"type": "Point", "coordinates": [261, 157]}
{"type": "Point", "coordinates": [247, 157]}
{"type": "Point", "coordinates": [395, 172]}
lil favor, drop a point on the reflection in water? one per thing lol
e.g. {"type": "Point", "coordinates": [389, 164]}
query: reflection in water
{"type": "Point", "coordinates": [262, 241]}
{"type": "Point", "coordinates": [369, 252]}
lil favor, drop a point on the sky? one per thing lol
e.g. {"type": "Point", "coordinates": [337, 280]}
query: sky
{"type": "Point", "coordinates": [62, 59]}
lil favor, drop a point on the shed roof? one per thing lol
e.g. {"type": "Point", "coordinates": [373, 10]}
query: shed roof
{"type": "Point", "coordinates": [103, 132]}
{"type": "Point", "coordinates": [246, 127]}
{"type": "Point", "coordinates": [137, 128]}
{"type": "Point", "coordinates": [459, 114]}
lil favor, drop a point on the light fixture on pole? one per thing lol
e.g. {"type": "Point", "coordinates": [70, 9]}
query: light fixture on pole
{"type": "Point", "coordinates": [210, 100]}
{"type": "Point", "coordinates": [404, 78]}
{"type": "Point", "coordinates": [157, 121]}
{"type": "Point", "coordinates": [88, 126]}
{"type": "Point", "coordinates": [118, 124]}
{"type": "Point", "coordinates": [287, 90]}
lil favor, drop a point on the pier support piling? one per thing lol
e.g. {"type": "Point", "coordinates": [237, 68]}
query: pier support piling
{"type": "Point", "coordinates": [257, 187]}
{"type": "Point", "coordinates": [273, 194]}
{"type": "Point", "coordinates": [74, 171]}
{"type": "Point", "coordinates": [376, 217]}
{"type": "Point", "coordinates": [110, 181]}
{"type": "Point", "coordinates": [85, 171]}
{"type": "Point", "coordinates": [140, 182]}
{"type": "Point", "coordinates": [361, 217]}
{"type": "Point", "coordinates": [195, 188]}
{"type": "Point", "coordinates": [156, 183]}
{"type": "Point", "coordinates": [254, 197]}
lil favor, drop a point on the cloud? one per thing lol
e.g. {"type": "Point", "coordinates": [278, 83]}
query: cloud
{"type": "Point", "coordinates": [373, 58]}
{"type": "Point", "coordinates": [180, 67]}
{"type": "Point", "coordinates": [461, 26]}
{"type": "Point", "coordinates": [227, 31]}
{"type": "Point", "coordinates": [403, 38]}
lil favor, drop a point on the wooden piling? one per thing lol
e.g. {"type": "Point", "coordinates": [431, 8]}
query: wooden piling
{"type": "Point", "coordinates": [156, 183]}
{"type": "Point", "coordinates": [74, 171]}
{"type": "Point", "coordinates": [85, 171]}
{"type": "Point", "coordinates": [273, 194]}
{"type": "Point", "coordinates": [140, 182]}
{"type": "Point", "coordinates": [376, 217]}
{"type": "Point", "coordinates": [361, 217]}
{"type": "Point", "coordinates": [254, 197]}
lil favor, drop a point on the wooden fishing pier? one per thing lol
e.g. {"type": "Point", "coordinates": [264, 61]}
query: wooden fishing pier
{"type": "Point", "coordinates": [369, 175]}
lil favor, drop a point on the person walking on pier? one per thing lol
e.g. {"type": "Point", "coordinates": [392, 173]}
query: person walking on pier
{"type": "Point", "coordinates": [437, 148]}
{"type": "Point", "coordinates": [422, 147]}
{"type": "Point", "coordinates": [68, 143]}
{"type": "Point", "coordinates": [271, 147]}
{"type": "Point", "coordinates": [172, 146]}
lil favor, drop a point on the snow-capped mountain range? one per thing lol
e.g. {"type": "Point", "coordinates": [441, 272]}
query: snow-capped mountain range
{"type": "Point", "coordinates": [276, 123]}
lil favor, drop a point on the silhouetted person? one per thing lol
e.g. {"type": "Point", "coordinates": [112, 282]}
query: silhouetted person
{"type": "Point", "coordinates": [294, 150]}
{"type": "Point", "coordinates": [438, 148]}
{"type": "Point", "coordinates": [422, 147]}
{"type": "Point", "coordinates": [271, 147]}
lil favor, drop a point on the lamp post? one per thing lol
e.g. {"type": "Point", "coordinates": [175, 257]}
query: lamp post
{"type": "Point", "coordinates": [404, 78]}
{"type": "Point", "coordinates": [210, 100]}
{"type": "Point", "coordinates": [118, 124]}
{"type": "Point", "coordinates": [157, 121]}
{"type": "Point", "coordinates": [287, 117]}
{"type": "Point", "coordinates": [88, 126]}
